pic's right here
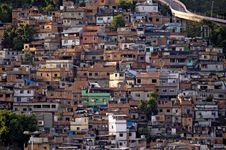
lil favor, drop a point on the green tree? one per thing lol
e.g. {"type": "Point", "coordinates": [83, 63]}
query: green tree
{"type": "Point", "coordinates": [5, 13]}
{"type": "Point", "coordinates": [126, 4]}
{"type": "Point", "coordinates": [209, 98]}
{"type": "Point", "coordinates": [15, 37]}
{"type": "Point", "coordinates": [13, 125]}
{"type": "Point", "coordinates": [150, 106]}
{"type": "Point", "coordinates": [47, 5]}
{"type": "Point", "coordinates": [217, 32]}
{"type": "Point", "coordinates": [217, 35]}
{"type": "Point", "coordinates": [146, 132]}
{"type": "Point", "coordinates": [163, 9]}
{"type": "Point", "coordinates": [118, 21]}
{"type": "Point", "coordinates": [193, 29]}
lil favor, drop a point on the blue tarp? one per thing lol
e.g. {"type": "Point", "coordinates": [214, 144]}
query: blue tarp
{"type": "Point", "coordinates": [28, 81]}
{"type": "Point", "coordinates": [131, 124]}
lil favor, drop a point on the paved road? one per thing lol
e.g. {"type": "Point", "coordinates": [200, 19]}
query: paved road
{"type": "Point", "coordinates": [179, 10]}
{"type": "Point", "coordinates": [176, 6]}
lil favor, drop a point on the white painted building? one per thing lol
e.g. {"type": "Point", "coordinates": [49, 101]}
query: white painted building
{"type": "Point", "coordinates": [67, 64]}
{"type": "Point", "coordinates": [147, 7]}
{"type": "Point", "coordinates": [115, 79]}
{"type": "Point", "coordinates": [117, 125]}
{"type": "Point", "coordinates": [211, 66]}
{"type": "Point", "coordinates": [79, 124]}
{"type": "Point", "coordinates": [35, 107]}
{"type": "Point", "coordinates": [44, 35]}
{"type": "Point", "coordinates": [206, 113]}
{"type": "Point", "coordinates": [101, 20]}
{"type": "Point", "coordinates": [71, 37]}
{"type": "Point", "coordinates": [24, 95]}
{"type": "Point", "coordinates": [124, 45]}
{"type": "Point", "coordinates": [8, 54]}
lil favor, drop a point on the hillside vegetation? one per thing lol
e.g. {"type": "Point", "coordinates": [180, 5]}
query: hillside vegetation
{"type": "Point", "coordinates": [204, 7]}
{"type": "Point", "coordinates": [6, 6]}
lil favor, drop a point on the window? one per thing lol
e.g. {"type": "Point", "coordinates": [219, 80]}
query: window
{"type": "Point", "coordinates": [154, 81]}
{"type": "Point", "coordinates": [46, 106]}
{"type": "Point", "coordinates": [220, 96]}
{"type": "Point", "coordinates": [116, 75]}
{"type": "Point", "coordinates": [168, 110]}
{"type": "Point", "coordinates": [37, 106]}
{"type": "Point", "coordinates": [21, 92]}
{"type": "Point", "coordinates": [90, 74]}
{"type": "Point", "coordinates": [171, 91]}
{"type": "Point", "coordinates": [157, 19]}
{"type": "Point", "coordinates": [121, 135]}
{"type": "Point", "coordinates": [18, 99]}
{"type": "Point", "coordinates": [28, 91]}
{"type": "Point", "coordinates": [96, 74]}
{"type": "Point", "coordinates": [138, 95]}
{"type": "Point", "coordinates": [53, 106]}
{"type": "Point", "coordinates": [138, 80]}
{"type": "Point", "coordinates": [130, 134]}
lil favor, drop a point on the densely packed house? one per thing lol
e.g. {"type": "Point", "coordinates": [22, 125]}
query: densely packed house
{"type": "Point", "coordinates": [85, 80]}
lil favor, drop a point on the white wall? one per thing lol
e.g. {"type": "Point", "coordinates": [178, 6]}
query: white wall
{"type": "Point", "coordinates": [22, 92]}
{"type": "Point", "coordinates": [147, 8]}
{"type": "Point", "coordinates": [104, 19]}
{"type": "Point", "coordinates": [115, 79]}
{"type": "Point", "coordinates": [70, 42]}
{"type": "Point", "coordinates": [116, 125]}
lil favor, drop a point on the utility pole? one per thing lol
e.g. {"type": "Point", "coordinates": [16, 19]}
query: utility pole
{"type": "Point", "coordinates": [212, 8]}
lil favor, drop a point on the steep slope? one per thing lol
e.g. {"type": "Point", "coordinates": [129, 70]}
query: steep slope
{"type": "Point", "coordinates": [204, 7]}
